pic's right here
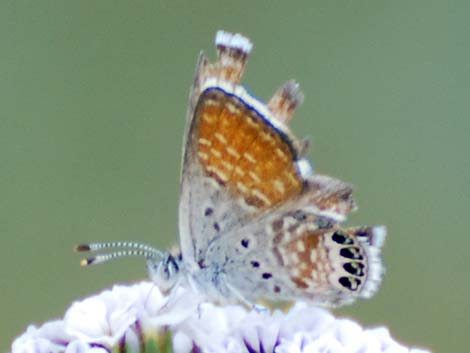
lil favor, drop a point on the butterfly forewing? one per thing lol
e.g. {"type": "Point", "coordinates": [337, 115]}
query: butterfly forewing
{"type": "Point", "coordinates": [239, 160]}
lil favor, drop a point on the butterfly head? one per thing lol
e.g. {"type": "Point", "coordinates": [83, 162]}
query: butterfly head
{"type": "Point", "coordinates": [165, 272]}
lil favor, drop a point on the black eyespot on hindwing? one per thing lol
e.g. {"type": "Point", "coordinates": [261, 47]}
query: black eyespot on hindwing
{"type": "Point", "coordinates": [350, 283]}
{"type": "Point", "coordinates": [354, 268]}
{"type": "Point", "coordinates": [351, 253]}
{"type": "Point", "coordinates": [341, 239]}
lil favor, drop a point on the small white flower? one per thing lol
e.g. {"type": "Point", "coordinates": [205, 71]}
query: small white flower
{"type": "Point", "coordinates": [128, 318]}
{"type": "Point", "coordinates": [102, 319]}
{"type": "Point", "coordinates": [50, 338]}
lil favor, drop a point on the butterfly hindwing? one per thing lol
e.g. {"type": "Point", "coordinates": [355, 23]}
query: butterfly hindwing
{"type": "Point", "coordinates": [299, 255]}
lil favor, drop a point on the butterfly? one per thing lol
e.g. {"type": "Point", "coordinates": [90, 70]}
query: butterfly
{"type": "Point", "coordinates": [255, 221]}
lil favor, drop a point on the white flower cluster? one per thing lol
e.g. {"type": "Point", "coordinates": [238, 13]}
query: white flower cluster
{"type": "Point", "coordinates": [129, 318]}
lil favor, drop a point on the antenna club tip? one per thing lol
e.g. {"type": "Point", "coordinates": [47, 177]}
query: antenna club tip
{"type": "Point", "coordinates": [87, 262]}
{"type": "Point", "coordinates": [82, 248]}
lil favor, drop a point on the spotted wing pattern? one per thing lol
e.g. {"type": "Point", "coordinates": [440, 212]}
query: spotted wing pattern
{"type": "Point", "coordinates": [243, 153]}
{"type": "Point", "coordinates": [296, 254]}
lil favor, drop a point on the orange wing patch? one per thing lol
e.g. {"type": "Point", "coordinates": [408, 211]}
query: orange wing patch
{"type": "Point", "coordinates": [243, 152]}
{"type": "Point", "coordinates": [307, 260]}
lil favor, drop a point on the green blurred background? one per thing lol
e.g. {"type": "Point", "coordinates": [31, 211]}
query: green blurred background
{"type": "Point", "coordinates": [93, 97]}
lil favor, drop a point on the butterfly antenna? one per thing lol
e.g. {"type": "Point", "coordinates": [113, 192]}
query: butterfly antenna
{"type": "Point", "coordinates": [128, 249]}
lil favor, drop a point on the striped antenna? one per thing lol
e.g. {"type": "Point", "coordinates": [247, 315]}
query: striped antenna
{"type": "Point", "coordinates": [128, 249]}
